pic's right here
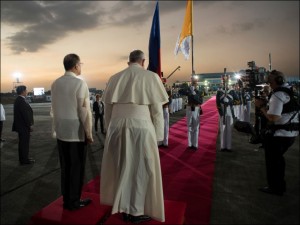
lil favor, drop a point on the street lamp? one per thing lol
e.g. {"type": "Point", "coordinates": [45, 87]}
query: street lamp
{"type": "Point", "coordinates": [16, 75]}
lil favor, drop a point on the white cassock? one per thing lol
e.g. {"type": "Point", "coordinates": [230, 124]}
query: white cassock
{"type": "Point", "coordinates": [131, 174]}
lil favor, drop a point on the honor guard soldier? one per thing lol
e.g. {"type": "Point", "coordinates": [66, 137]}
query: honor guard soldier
{"type": "Point", "coordinates": [224, 102]}
{"type": "Point", "coordinates": [195, 99]}
{"type": "Point", "coordinates": [166, 111]}
{"type": "Point", "coordinates": [236, 101]}
{"type": "Point", "coordinates": [247, 99]}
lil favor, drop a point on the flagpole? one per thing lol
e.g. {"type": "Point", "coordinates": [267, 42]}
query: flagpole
{"type": "Point", "coordinates": [270, 62]}
{"type": "Point", "coordinates": [193, 70]}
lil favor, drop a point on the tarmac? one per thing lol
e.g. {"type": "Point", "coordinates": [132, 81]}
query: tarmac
{"type": "Point", "coordinates": [237, 177]}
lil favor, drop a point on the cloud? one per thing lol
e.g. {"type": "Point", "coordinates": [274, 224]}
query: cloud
{"type": "Point", "coordinates": [43, 23]}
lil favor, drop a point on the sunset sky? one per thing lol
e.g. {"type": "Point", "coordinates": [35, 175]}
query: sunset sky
{"type": "Point", "coordinates": [36, 35]}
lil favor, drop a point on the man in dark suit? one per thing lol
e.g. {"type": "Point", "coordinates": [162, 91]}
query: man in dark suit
{"type": "Point", "coordinates": [23, 124]}
{"type": "Point", "coordinates": [98, 108]}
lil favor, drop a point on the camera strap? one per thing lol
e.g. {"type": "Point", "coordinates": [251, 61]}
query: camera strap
{"type": "Point", "coordinates": [289, 126]}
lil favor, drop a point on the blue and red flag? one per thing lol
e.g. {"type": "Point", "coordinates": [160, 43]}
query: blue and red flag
{"type": "Point", "coordinates": [154, 44]}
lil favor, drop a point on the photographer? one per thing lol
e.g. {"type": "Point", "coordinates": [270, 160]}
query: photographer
{"type": "Point", "coordinates": [283, 121]}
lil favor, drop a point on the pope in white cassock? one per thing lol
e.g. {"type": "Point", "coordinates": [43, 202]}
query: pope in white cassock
{"type": "Point", "coordinates": [131, 174]}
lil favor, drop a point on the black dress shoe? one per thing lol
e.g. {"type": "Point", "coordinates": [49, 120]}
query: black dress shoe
{"type": "Point", "coordinates": [225, 150]}
{"type": "Point", "coordinates": [29, 161]}
{"type": "Point", "coordinates": [163, 146]}
{"type": "Point", "coordinates": [139, 219]}
{"type": "Point", "coordinates": [126, 217]}
{"type": "Point", "coordinates": [271, 191]}
{"type": "Point", "coordinates": [82, 203]}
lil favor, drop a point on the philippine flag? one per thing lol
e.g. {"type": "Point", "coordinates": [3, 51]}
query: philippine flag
{"type": "Point", "coordinates": [154, 44]}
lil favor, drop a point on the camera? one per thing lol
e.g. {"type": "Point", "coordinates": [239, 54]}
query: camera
{"type": "Point", "coordinates": [253, 76]}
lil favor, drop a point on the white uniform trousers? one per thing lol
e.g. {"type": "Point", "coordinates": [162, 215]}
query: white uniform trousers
{"type": "Point", "coordinates": [174, 104]}
{"type": "Point", "coordinates": [236, 111]}
{"type": "Point", "coordinates": [193, 123]}
{"type": "Point", "coordinates": [165, 142]}
{"type": "Point", "coordinates": [226, 131]}
{"type": "Point", "coordinates": [171, 106]}
{"type": "Point", "coordinates": [241, 112]}
{"type": "Point", "coordinates": [247, 111]}
{"type": "Point", "coordinates": [180, 104]}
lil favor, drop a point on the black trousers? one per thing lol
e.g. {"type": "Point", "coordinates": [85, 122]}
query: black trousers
{"type": "Point", "coordinates": [72, 156]}
{"type": "Point", "coordinates": [275, 147]}
{"type": "Point", "coordinates": [23, 148]}
{"type": "Point", "coordinates": [97, 117]}
{"type": "Point", "coordinates": [1, 127]}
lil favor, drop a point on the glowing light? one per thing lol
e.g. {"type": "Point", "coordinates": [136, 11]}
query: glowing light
{"type": "Point", "coordinates": [195, 77]}
{"type": "Point", "coordinates": [237, 76]}
{"type": "Point", "coordinates": [17, 75]}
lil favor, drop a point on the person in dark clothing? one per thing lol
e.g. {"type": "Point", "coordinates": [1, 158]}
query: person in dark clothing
{"type": "Point", "coordinates": [98, 108]}
{"type": "Point", "coordinates": [23, 124]}
{"type": "Point", "coordinates": [283, 127]}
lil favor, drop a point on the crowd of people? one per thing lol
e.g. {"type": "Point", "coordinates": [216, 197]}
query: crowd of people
{"type": "Point", "coordinates": [135, 122]}
{"type": "Point", "coordinates": [276, 123]}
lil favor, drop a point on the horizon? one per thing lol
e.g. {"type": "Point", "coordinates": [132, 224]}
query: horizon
{"type": "Point", "coordinates": [35, 36]}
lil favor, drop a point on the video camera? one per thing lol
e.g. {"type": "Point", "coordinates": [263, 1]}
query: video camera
{"type": "Point", "coordinates": [253, 78]}
{"type": "Point", "coordinates": [254, 75]}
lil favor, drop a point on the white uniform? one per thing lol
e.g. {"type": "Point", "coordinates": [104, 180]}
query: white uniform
{"type": "Point", "coordinates": [2, 113]}
{"type": "Point", "coordinates": [2, 119]}
{"type": "Point", "coordinates": [193, 116]}
{"type": "Point", "coordinates": [193, 124]}
{"type": "Point", "coordinates": [247, 106]}
{"type": "Point", "coordinates": [130, 173]}
{"type": "Point", "coordinates": [224, 103]}
{"type": "Point", "coordinates": [165, 142]}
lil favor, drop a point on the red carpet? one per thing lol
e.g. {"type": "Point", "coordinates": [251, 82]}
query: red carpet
{"type": "Point", "coordinates": [187, 174]}
{"type": "Point", "coordinates": [54, 213]}
{"type": "Point", "coordinates": [174, 214]}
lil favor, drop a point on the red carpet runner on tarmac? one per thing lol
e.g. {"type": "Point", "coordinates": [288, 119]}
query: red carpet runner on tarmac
{"type": "Point", "coordinates": [188, 175]}
{"type": "Point", "coordinates": [187, 181]}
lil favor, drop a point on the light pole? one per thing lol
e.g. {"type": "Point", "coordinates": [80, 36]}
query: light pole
{"type": "Point", "coordinates": [17, 75]}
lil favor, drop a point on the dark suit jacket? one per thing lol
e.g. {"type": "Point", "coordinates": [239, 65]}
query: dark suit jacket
{"type": "Point", "coordinates": [23, 115]}
{"type": "Point", "coordinates": [96, 108]}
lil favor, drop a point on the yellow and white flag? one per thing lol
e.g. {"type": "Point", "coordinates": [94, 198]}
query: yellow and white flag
{"type": "Point", "coordinates": [183, 43]}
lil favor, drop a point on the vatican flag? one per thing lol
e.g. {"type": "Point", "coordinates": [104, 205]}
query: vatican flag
{"type": "Point", "coordinates": [183, 43]}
